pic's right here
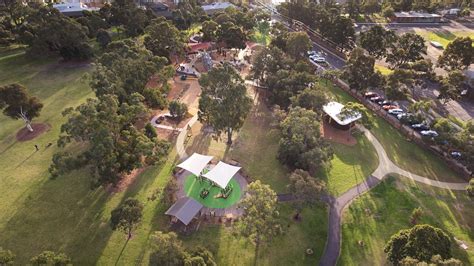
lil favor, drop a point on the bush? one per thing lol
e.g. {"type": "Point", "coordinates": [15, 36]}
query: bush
{"type": "Point", "coordinates": [150, 131]}
{"type": "Point", "coordinates": [103, 38]}
{"type": "Point", "coordinates": [178, 110]}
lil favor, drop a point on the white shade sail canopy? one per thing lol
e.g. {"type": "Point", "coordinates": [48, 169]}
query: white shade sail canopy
{"type": "Point", "coordinates": [333, 109]}
{"type": "Point", "coordinates": [222, 173]}
{"type": "Point", "coordinates": [195, 163]}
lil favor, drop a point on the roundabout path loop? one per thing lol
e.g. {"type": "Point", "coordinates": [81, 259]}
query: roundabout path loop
{"type": "Point", "coordinates": [337, 205]}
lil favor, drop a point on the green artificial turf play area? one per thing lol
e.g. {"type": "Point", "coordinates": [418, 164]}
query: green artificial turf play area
{"type": "Point", "coordinates": [386, 209]}
{"type": "Point", "coordinates": [193, 188]}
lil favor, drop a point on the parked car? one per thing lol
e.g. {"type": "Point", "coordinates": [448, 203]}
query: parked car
{"type": "Point", "coordinates": [455, 154]}
{"type": "Point", "coordinates": [384, 102]}
{"type": "Point", "coordinates": [317, 59]}
{"type": "Point", "coordinates": [370, 94]}
{"type": "Point", "coordinates": [436, 45]}
{"type": "Point", "coordinates": [429, 133]}
{"type": "Point", "coordinates": [395, 111]}
{"type": "Point", "coordinates": [390, 107]}
{"type": "Point", "coordinates": [377, 99]}
{"type": "Point", "coordinates": [408, 119]}
{"type": "Point", "coordinates": [311, 53]}
{"type": "Point", "coordinates": [420, 127]}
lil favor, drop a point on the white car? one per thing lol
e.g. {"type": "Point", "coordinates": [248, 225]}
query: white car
{"type": "Point", "coordinates": [318, 59]}
{"type": "Point", "coordinates": [311, 53]}
{"type": "Point", "coordinates": [429, 133]}
{"type": "Point", "coordinates": [395, 111]}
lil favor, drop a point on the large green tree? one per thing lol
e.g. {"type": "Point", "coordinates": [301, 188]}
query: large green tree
{"type": "Point", "coordinates": [306, 189]}
{"type": "Point", "coordinates": [127, 216]}
{"type": "Point", "coordinates": [224, 103]}
{"type": "Point", "coordinates": [48, 31]}
{"type": "Point", "coordinates": [17, 103]}
{"type": "Point", "coordinates": [377, 40]}
{"type": "Point", "coordinates": [164, 39]}
{"type": "Point", "coordinates": [451, 86]}
{"type": "Point", "coordinates": [297, 44]}
{"type": "Point", "coordinates": [259, 222]}
{"type": "Point", "coordinates": [458, 55]}
{"type": "Point", "coordinates": [406, 49]}
{"type": "Point", "coordinates": [359, 71]}
{"type": "Point", "coordinates": [114, 146]}
{"type": "Point", "coordinates": [353, 109]}
{"type": "Point", "coordinates": [125, 68]}
{"type": "Point", "coordinates": [312, 98]}
{"type": "Point", "coordinates": [301, 145]}
{"type": "Point", "coordinates": [420, 242]}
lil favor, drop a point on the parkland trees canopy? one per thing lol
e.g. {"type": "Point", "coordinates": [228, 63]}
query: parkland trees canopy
{"type": "Point", "coordinates": [222, 173]}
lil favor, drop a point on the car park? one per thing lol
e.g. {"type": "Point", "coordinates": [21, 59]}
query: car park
{"type": "Point", "coordinates": [429, 133]}
{"type": "Point", "coordinates": [395, 111]}
{"type": "Point", "coordinates": [420, 127]}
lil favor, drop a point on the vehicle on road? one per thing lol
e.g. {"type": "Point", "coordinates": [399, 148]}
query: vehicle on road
{"type": "Point", "coordinates": [395, 111]}
{"type": "Point", "coordinates": [455, 154]}
{"type": "Point", "coordinates": [382, 103]}
{"type": "Point", "coordinates": [420, 127]}
{"type": "Point", "coordinates": [377, 99]}
{"type": "Point", "coordinates": [370, 94]}
{"type": "Point", "coordinates": [429, 133]}
{"type": "Point", "coordinates": [390, 107]}
{"type": "Point", "coordinates": [317, 59]}
{"type": "Point", "coordinates": [436, 45]}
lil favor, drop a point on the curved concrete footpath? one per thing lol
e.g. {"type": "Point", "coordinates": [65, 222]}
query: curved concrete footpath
{"type": "Point", "coordinates": [337, 205]}
{"type": "Point", "coordinates": [180, 149]}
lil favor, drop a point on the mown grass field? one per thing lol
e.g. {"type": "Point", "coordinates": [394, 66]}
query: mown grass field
{"type": "Point", "coordinates": [351, 165]}
{"type": "Point", "coordinates": [38, 213]}
{"type": "Point", "coordinates": [444, 37]}
{"type": "Point", "coordinates": [386, 209]}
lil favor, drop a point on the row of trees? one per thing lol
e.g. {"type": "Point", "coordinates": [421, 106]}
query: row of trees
{"type": "Point", "coordinates": [44, 258]}
{"type": "Point", "coordinates": [325, 17]}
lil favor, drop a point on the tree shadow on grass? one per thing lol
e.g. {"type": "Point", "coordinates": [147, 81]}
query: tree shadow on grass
{"type": "Point", "coordinates": [59, 215]}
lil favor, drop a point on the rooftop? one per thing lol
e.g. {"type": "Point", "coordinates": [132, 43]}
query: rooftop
{"type": "Point", "coordinates": [333, 109]}
{"type": "Point", "coordinates": [217, 6]}
{"type": "Point", "coordinates": [413, 14]}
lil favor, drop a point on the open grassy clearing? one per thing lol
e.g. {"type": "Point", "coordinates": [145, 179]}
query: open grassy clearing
{"type": "Point", "coordinates": [443, 36]}
{"type": "Point", "coordinates": [386, 209]}
{"type": "Point", "coordinates": [287, 249]}
{"type": "Point", "coordinates": [351, 165]}
{"type": "Point", "coordinates": [37, 213]}
{"type": "Point", "coordinates": [402, 152]}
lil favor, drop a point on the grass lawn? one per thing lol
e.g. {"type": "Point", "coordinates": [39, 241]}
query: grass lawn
{"type": "Point", "coordinates": [193, 188]}
{"type": "Point", "coordinates": [383, 69]}
{"type": "Point", "coordinates": [405, 154]}
{"type": "Point", "coordinates": [351, 165]}
{"type": "Point", "coordinates": [65, 214]}
{"type": "Point", "coordinates": [386, 209]}
{"type": "Point", "coordinates": [287, 249]}
{"type": "Point", "coordinates": [443, 36]}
